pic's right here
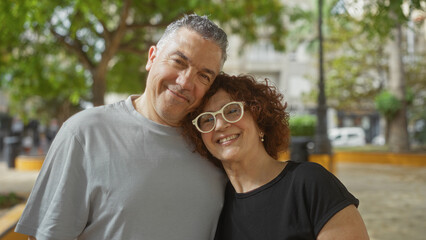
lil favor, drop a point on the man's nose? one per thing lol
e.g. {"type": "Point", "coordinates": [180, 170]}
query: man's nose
{"type": "Point", "coordinates": [186, 80]}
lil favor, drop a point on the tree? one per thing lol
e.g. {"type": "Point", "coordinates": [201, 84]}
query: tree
{"type": "Point", "coordinates": [388, 105]}
{"type": "Point", "coordinates": [105, 42]}
{"type": "Point", "coordinates": [355, 66]}
{"type": "Point", "coordinates": [416, 72]}
{"type": "Point", "coordinates": [390, 16]}
{"type": "Point", "coordinates": [39, 85]}
{"type": "Point", "coordinates": [354, 62]}
{"type": "Point", "coordinates": [358, 63]}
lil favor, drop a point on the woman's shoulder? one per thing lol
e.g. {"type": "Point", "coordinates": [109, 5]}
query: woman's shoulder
{"type": "Point", "coordinates": [309, 172]}
{"type": "Point", "coordinates": [306, 167]}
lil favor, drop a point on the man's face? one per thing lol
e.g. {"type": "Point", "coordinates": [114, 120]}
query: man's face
{"type": "Point", "coordinates": [179, 75]}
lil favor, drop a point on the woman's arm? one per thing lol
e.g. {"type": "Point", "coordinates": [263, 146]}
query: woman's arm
{"type": "Point", "coordinates": [346, 224]}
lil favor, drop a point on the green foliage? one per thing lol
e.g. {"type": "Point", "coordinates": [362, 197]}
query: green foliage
{"type": "Point", "coordinates": [356, 64]}
{"type": "Point", "coordinates": [381, 16]}
{"type": "Point", "coordinates": [409, 96]}
{"type": "Point", "coordinates": [133, 81]}
{"type": "Point", "coordinates": [420, 129]}
{"type": "Point", "coordinates": [415, 77]}
{"type": "Point", "coordinates": [304, 125]}
{"type": "Point", "coordinates": [40, 85]}
{"type": "Point", "coordinates": [50, 50]}
{"type": "Point", "coordinates": [9, 200]}
{"type": "Point", "coordinates": [304, 24]}
{"type": "Point", "coordinates": [387, 104]}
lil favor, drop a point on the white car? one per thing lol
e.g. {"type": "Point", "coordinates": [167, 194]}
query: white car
{"type": "Point", "coordinates": [379, 140]}
{"type": "Point", "coordinates": [347, 136]}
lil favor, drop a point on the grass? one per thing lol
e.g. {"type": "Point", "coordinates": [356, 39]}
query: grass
{"type": "Point", "coordinates": [9, 200]}
{"type": "Point", "coordinates": [365, 148]}
{"type": "Point", "coordinates": [376, 148]}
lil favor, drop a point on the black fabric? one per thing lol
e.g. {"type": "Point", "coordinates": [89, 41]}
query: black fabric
{"type": "Point", "coordinates": [295, 205]}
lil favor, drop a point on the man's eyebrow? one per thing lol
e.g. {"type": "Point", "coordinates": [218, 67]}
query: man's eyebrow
{"type": "Point", "coordinates": [209, 71]}
{"type": "Point", "coordinates": [182, 55]}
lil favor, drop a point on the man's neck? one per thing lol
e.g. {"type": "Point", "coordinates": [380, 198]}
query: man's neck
{"type": "Point", "coordinates": [138, 103]}
{"type": "Point", "coordinates": [141, 105]}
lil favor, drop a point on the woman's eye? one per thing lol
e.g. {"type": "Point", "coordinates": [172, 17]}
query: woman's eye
{"type": "Point", "coordinates": [207, 119]}
{"type": "Point", "coordinates": [232, 110]}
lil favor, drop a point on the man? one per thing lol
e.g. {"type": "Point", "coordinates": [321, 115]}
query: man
{"type": "Point", "coordinates": [123, 171]}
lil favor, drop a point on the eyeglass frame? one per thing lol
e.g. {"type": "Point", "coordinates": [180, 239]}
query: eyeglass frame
{"type": "Point", "coordinates": [241, 104]}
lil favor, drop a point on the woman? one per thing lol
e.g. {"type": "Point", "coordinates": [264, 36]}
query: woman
{"type": "Point", "coordinates": [243, 124]}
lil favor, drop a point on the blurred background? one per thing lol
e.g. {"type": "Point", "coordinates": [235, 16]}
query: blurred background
{"type": "Point", "coordinates": [353, 72]}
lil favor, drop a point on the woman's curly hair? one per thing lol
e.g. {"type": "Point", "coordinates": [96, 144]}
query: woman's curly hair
{"type": "Point", "coordinates": [262, 100]}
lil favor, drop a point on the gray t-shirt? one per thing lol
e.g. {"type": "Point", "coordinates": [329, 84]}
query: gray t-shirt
{"type": "Point", "coordinates": [113, 174]}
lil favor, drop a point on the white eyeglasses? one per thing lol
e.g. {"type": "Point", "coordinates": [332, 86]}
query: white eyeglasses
{"type": "Point", "coordinates": [232, 112]}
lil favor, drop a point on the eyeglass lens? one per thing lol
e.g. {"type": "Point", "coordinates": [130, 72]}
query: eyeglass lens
{"type": "Point", "coordinates": [231, 113]}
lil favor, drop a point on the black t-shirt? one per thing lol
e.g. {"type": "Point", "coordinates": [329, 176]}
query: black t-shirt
{"type": "Point", "coordinates": [295, 205]}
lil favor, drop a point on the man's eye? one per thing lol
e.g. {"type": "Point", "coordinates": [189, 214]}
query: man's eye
{"type": "Point", "coordinates": [178, 61]}
{"type": "Point", "coordinates": [205, 77]}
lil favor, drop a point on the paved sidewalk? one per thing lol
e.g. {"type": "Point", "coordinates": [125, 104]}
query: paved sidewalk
{"type": "Point", "coordinates": [19, 182]}
{"type": "Point", "coordinates": [392, 198]}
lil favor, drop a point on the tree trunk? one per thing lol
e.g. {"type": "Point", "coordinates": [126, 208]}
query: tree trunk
{"type": "Point", "coordinates": [387, 131]}
{"type": "Point", "coordinates": [398, 133]}
{"type": "Point", "coordinates": [64, 111]}
{"type": "Point", "coordinates": [322, 143]}
{"type": "Point", "coordinates": [99, 86]}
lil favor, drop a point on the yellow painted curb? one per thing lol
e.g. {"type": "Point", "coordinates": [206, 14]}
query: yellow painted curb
{"type": "Point", "coordinates": [382, 158]}
{"type": "Point", "coordinates": [323, 159]}
{"type": "Point", "coordinates": [284, 156]}
{"type": "Point", "coordinates": [8, 222]}
{"type": "Point", "coordinates": [404, 159]}
{"type": "Point", "coordinates": [24, 162]}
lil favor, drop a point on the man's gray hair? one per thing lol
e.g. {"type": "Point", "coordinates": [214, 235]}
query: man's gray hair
{"type": "Point", "coordinates": [201, 25]}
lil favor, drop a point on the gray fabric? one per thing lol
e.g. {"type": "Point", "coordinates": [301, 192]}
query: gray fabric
{"type": "Point", "coordinates": [113, 174]}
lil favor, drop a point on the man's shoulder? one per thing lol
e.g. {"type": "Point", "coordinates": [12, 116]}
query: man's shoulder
{"type": "Point", "coordinates": [96, 116]}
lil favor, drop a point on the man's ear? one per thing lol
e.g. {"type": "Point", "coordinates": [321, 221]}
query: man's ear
{"type": "Point", "coordinates": [152, 54]}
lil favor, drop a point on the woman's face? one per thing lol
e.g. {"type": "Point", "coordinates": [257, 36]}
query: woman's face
{"type": "Point", "coordinates": [231, 141]}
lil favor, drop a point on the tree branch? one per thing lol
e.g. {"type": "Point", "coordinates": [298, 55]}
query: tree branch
{"type": "Point", "coordinates": [136, 26]}
{"type": "Point", "coordinates": [106, 33]}
{"type": "Point", "coordinates": [113, 43]}
{"type": "Point", "coordinates": [92, 28]}
{"type": "Point", "coordinates": [133, 50]}
{"type": "Point", "coordinates": [134, 45]}
{"type": "Point", "coordinates": [74, 46]}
